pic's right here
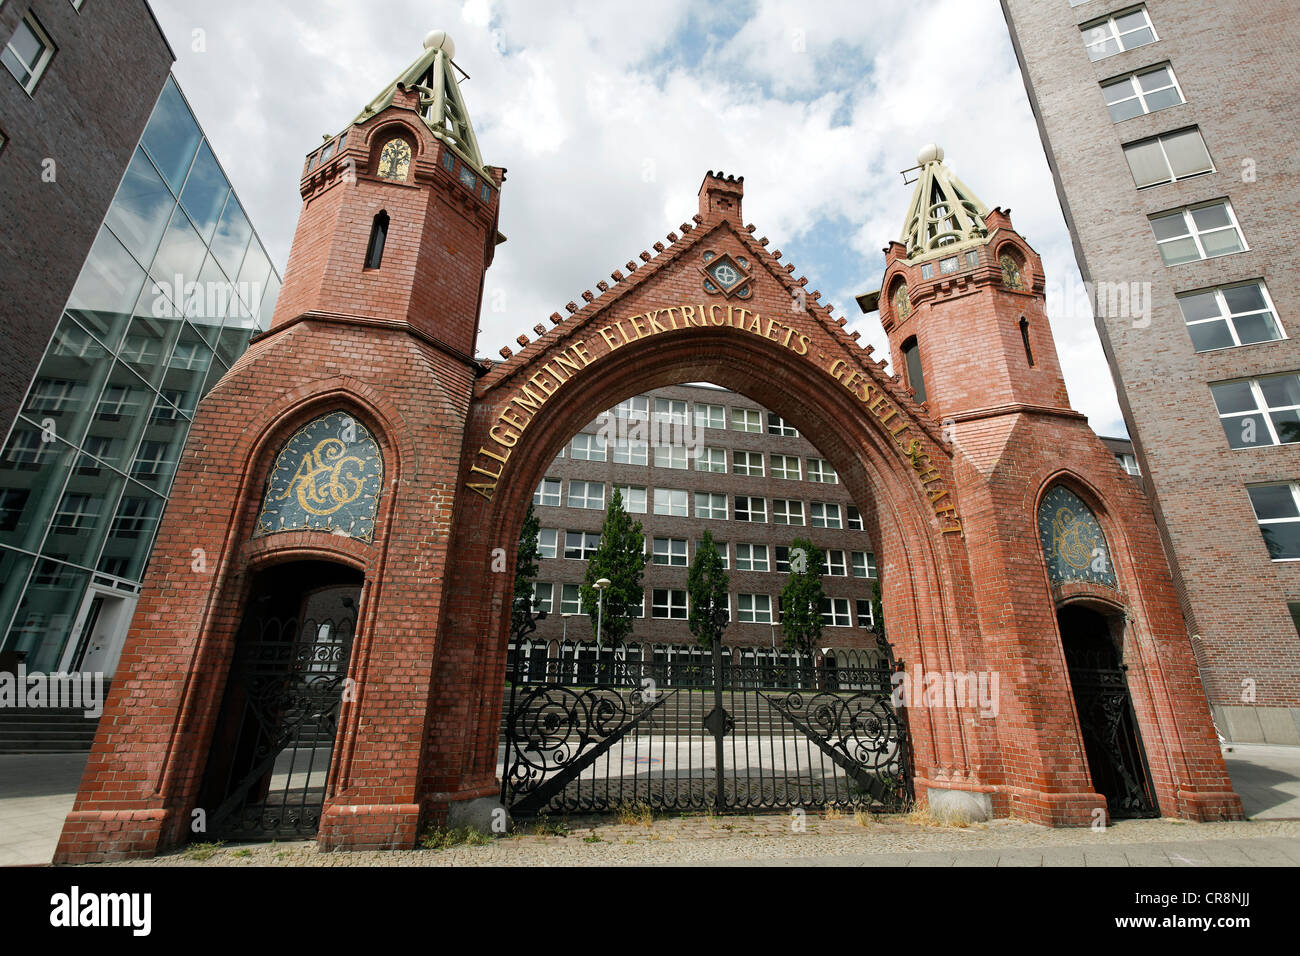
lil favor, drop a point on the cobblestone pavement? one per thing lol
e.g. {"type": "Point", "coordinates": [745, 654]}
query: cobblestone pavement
{"type": "Point", "coordinates": [36, 792]}
{"type": "Point", "coordinates": [842, 841]}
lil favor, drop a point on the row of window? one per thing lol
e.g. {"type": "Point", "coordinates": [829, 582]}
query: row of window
{"type": "Point", "coordinates": [672, 604]}
{"type": "Point", "coordinates": [679, 412]}
{"type": "Point", "coordinates": [1226, 317]}
{"type": "Point", "coordinates": [676, 503]}
{"type": "Point", "coordinates": [585, 447]}
{"type": "Point", "coordinates": [673, 552]}
{"type": "Point", "coordinates": [29, 51]}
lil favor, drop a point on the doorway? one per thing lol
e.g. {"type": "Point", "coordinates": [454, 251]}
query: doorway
{"type": "Point", "coordinates": [1116, 759]}
{"type": "Point", "coordinates": [274, 739]}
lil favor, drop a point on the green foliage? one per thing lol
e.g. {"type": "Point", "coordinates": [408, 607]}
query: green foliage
{"type": "Point", "coordinates": [526, 555]}
{"type": "Point", "coordinates": [621, 558]}
{"type": "Point", "coordinates": [801, 598]}
{"type": "Point", "coordinates": [707, 584]}
{"type": "Point", "coordinates": [440, 838]}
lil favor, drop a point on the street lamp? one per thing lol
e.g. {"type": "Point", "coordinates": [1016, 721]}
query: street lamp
{"type": "Point", "coordinates": [601, 584]}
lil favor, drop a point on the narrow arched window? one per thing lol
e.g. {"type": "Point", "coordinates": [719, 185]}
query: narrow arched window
{"type": "Point", "coordinates": [912, 361]}
{"type": "Point", "coordinates": [1024, 337]}
{"type": "Point", "coordinates": [378, 236]}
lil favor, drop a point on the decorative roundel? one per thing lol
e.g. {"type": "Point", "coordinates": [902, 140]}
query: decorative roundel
{"type": "Point", "coordinates": [1074, 543]}
{"type": "Point", "coordinates": [327, 477]}
{"type": "Point", "coordinates": [726, 276]}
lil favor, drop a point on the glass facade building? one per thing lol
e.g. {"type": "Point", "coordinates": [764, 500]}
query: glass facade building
{"type": "Point", "coordinates": [174, 285]}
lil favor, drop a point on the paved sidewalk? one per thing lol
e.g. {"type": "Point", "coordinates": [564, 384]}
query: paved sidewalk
{"type": "Point", "coordinates": [37, 791]}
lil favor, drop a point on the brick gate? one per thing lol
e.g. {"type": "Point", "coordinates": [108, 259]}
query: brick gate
{"type": "Point", "coordinates": [361, 430]}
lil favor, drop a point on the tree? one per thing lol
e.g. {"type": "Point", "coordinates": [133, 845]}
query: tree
{"type": "Point", "coordinates": [802, 596]}
{"type": "Point", "coordinates": [522, 619]}
{"type": "Point", "coordinates": [707, 584]}
{"type": "Point", "coordinates": [621, 558]}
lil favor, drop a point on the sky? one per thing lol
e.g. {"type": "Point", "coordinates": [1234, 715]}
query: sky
{"type": "Point", "coordinates": [607, 116]}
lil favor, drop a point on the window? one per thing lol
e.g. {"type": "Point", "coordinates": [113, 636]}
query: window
{"type": "Point", "coordinates": [580, 545]}
{"type": "Point", "coordinates": [748, 463]}
{"type": "Point", "coordinates": [548, 542]}
{"type": "Point", "coordinates": [548, 493]}
{"type": "Point", "coordinates": [1128, 462]}
{"type": "Point", "coordinates": [786, 466]}
{"type": "Point", "coordinates": [570, 600]}
{"type": "Point", "coordinates": [835, 563]}
{"type": "Point", "coordinates": [1197, 232]}
{"type": "Point", "coordinates": [835, 612]}
{"type": "Point", "coordinates": [927, 270]}
{"type": "Point", "coordinates": [1229, 316]}
{"type": "Point", "coordinates": [670, 410]}
{"type": "Point", "coordinates": [1168, 157]}
{"type": "Point", "coordinates": [787, 511]}
{"type": "Point", "coordinates": [586, 494]}
{"type": "Point", "coordinates": [722, 552]}
{"type": "Point", "coordinates": [587, 448]}
{"type": "Point", "coordinates": [781, 554]}
{"type": "Point", "coordinates": [638, 406]}
{"type": "Point", "coordinates": [751, 557]}
{"type": "Point", "coordinates": [819, 469]}
{"type": "Point", "coordinates": [854, 518]}
{"type": "Point", "coordinates": [864, 564]}
{"type": "Point", "coordinates": [1142, 92]}
{"type": "Point", "coordinates": [866, 618]}
{"type": "Point", "coordinates": [670, 552]}
{"type": "Point", "coordinates": [746, 420]}
{"type": "Point", "coordinates": [631, 453]}
{"type": "Point", "coordinates": [1260, 411]}
{"type": "Point", "coordinates": [1115, 34]}
{"type": "Point", "coordinates": [378, 236]}
{"type": "Point", "coordinates": [1277, 508]}
{"type": "Point", "coordinates": [670, 456]}
{"type": "Point", "coordinates": [634, 499]}
{"type": "Point", "coordinates": [751, 509]}
{"type": "Point", "coordinates": [543, 597]}
{"type": "Point", "coordinates": [28, 52]}
{"type": "Point", "coordinates": [1024, 340]}
{"type": "Point", "coordinates": [912, 361]}
{"type": "Point", "coordinates": [76, 513]}
{"type": "Point", "coordinates": [710, 506]}
{"type": "Point", "coordinates": [824, 514]}
{"type": "Point", "coordinates": [776, 425]}
{"type": "Point", "coordinates": [711, 459]}
{"type": "Point", "coordinates": [710, 416]}
{"type": "Point", "coordinates": [668, 603]}
{"type": "Point", "coordinates": [754, 608]}
{"type": "Point", "coordinates": [669, 501]}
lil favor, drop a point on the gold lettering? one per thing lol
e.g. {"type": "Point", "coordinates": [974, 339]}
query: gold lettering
{"type": "Point", "coordinates": [713, 315]}
{"type": "Point", "coordinates": [618, 324]}
{"type": "Point", "coordinates": [484, 471]}
{"type": "Point", "coordinates": [608, 336]}
{"type": "Point", "coordinates": [837, 368]}
{"type": "Point", "coordinates": [641, 330]}
{"type": "Point", "coordinates": [804, 342]}
{"type": "Point", "coordinates": [564, 361]}
{"type": "Point", "coordinates": [509, 440]}
{"type": "Point", "coordinates": [756, 324]}
{"type": "Point", "coordinates": [483, 489]}
{"type": "Point", "coordinates": [789, 331]}
{"type": "Point", "coordinates": [654, 320]}
{"type": "Point", "coordinates": [545, 385]}
{"type": "Point", "coordinates": [483, 450]}
{"type": "Point", "coordinates": [580, 350]}
{"type": "Point", "coordinates": [533, 401]}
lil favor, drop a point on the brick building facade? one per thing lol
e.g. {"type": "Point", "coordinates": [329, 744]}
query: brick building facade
{"type": "Point", "coordinates": [359, 450]}
{"type": "Point", "coordinates": [1169, 127]}
{"type": "Point", "coordinates": [737, 470]}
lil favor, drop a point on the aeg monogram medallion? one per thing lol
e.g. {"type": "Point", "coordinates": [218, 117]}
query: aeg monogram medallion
{"type": "Point", "coordinates": [1073, 541]}
{"type": "Point", "coordinates": [326, 478]}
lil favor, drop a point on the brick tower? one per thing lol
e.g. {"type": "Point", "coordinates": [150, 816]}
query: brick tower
{"type": "Point", "coordinates": [1072, 587]}
{"type": "Point", "coordinates": [318, 484]}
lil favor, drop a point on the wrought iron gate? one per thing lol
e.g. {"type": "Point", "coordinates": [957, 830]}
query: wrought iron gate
{"type": "Point", "coordinates": [275, 738]}
{"type": "Point", "coordinates": [591, 736]}
{"type": "Point", "coordinates": [1110, 736]}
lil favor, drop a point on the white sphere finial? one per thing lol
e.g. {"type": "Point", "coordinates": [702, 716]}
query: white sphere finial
{"type": "Point", "coordinates": [440, 40]}
{"type": "Point", "coordinates": [930, 153]}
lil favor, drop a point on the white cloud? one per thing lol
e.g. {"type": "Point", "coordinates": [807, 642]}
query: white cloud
{"type": "Point", "coordinates": [607, 122]}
